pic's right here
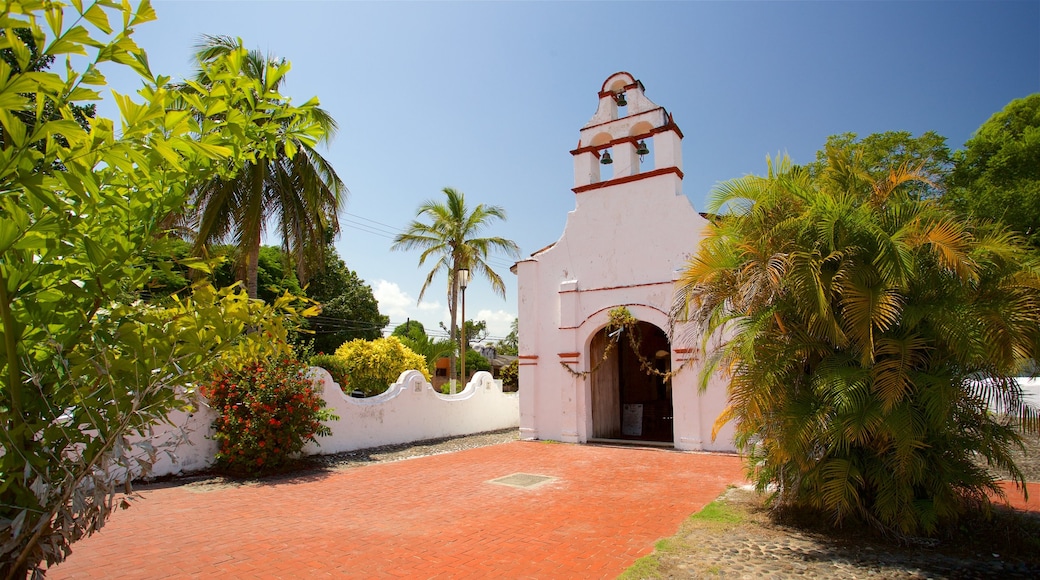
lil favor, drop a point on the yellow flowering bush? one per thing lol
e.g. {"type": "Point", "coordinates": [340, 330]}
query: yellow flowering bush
{"type": "Point", "coordinates": [373, 365]}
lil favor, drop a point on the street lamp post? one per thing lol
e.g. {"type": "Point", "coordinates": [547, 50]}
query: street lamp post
{"type": "Point", "coordinates": [463, 280]}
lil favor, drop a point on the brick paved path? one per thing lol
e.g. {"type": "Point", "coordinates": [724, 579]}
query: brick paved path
{"type": "Point", "coordinates": [431, 517]}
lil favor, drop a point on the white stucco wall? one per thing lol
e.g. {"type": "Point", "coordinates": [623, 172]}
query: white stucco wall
{"type": "Point", "coordinates": [410, 410]}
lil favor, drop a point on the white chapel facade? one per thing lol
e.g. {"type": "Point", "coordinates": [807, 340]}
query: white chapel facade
{"type": "Point", "coordinates": [630, 233]}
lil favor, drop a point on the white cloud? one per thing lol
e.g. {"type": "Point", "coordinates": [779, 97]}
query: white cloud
{"type": "Point", "coordinates": [498, 322]}
{"type": "Point", "coordinates": [400, 306]}
{"type": "Point", "coordinates": [393, 302]}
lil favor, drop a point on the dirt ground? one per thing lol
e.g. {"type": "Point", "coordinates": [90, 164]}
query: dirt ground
{"type": "Point", "coordinates": [738, 537]}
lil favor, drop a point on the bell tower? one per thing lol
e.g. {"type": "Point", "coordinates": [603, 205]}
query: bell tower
{"type": "Point", "coordinates": [630, 138]}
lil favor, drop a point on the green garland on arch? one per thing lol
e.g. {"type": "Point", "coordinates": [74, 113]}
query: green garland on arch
{"type": "Point", "coordinates": [621, 319]}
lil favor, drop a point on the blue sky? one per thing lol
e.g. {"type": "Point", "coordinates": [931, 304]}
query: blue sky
{"type": "Point", "coordinates": [488, 97]}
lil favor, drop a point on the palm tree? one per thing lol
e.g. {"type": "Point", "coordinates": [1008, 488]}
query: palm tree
{"type": "Point", "coordinates": [870, 333]}
{"type": "Point", "coordinates": [450, 237]}
{"type": "Point", "coordinates": [295, 188]}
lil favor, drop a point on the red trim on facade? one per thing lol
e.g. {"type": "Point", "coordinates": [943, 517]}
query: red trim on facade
{"type": "Point", "coordinates": [629, 179]}
{"type": "Point", "coordinates": [621, 287]}
{"type": "Point", "coordinates": [603, 87]}
{"type": "Point", "coordinates": [568, 354]}
{"type": "Point", "coordinates": [682, 350]}
{"type": "Point", "coordinates": [528, 356]}
{"type": "Point", "coordinates": [605, 309]}
{"type": "Point", "coordinates": [669, 124]}
{"type": "Point", "coordinates": [542, 250]}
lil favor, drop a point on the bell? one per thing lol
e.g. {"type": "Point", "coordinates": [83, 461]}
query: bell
{"type": "Point", "coordinates": [620, 98]}
{"type": "Point", "coordinates": [641, 149]}
{"type": "Point", "coordinates": [606, 160]}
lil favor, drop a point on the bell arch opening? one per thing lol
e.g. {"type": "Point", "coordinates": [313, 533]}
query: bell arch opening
{"type": "Point", "coordinates": [631, 400]}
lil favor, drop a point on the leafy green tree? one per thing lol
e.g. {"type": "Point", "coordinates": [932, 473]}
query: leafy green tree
{"type": "Point", "coordinates": [510, 345]}
{"type": "Point", "coordinates": [274, 275]}
{"type": "Point", "coordinates": [23, 55]}
{"type": "Point", "coordinates": [877, 154]}
{"type": "Point", "coordinates": [472, 330]}
{"type": "Point", "coordinates": [451, 238]}
{"type": "Point", "coordinates": [997, 175]}
{"type": "Point", "coordinates": [291, 185]}
{"type": "Point", "coordinates": [83, 363]}
{"type": "Point", "coordinates": [476, 362]}
{"type": "Point", "coordinates": [409, 328]}
{"type": "Point", "coordinates": [869, 333]}
{"type": "Point", "coordinates": [349, 310]}
{"type": "Point", "coordinates": [166, 261]}
{"type": "Point", "coordinates": [413, 335]}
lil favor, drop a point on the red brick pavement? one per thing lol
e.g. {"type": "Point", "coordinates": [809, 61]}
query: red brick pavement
{"type": "Point", "coordinates": [1014, 497]}
{"type": "Point", "coordinates": [431, 517]}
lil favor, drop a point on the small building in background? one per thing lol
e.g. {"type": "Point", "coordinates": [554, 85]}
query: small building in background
{"type": "Point", "coordinates": [630, 233]}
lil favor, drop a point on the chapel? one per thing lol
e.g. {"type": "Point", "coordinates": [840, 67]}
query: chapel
{"type": "Point", "coordinates": [630, 233]}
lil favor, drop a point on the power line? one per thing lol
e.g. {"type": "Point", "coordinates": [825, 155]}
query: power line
{"type": "Point", "coordinates": [383, 230]}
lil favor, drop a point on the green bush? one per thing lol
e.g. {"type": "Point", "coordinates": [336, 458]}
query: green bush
{"type": "Point", "coordinates": [336, 366]}
{"type": "Point", "coordinates": [268, 411]}
{"type": "Point", "coordinates": [510, 375]}
{"type": "Point", "coordinates": [373, 365]}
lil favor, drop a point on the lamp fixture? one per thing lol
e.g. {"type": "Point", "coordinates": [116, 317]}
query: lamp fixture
{"type": "Point", "coordinates": [605, 159]}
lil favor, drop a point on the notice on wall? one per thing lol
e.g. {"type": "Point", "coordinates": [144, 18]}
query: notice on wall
{"type": "Point", "coordinates": [632, 420]}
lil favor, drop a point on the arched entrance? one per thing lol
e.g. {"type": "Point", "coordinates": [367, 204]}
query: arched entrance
{"type": "Point", "coordinates": [628, 401]}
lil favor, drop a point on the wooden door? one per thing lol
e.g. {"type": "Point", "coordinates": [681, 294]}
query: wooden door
{"type": "Point", "coordinates": [606, 396]}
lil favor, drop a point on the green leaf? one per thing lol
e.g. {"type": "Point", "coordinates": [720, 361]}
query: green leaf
{"type": "Point", "coordinates": [9, 232]}
{"type": "Point", "coordinates": [199, 264]}
{"type": "Point", "coordinates": [13, 127]}
{"type": "Point", "coordinates": [22, 54]}
{"type": "Point", "coordinates": [54, 19]}
{"type": "Point", "coordinates": [145, 13]}
{"type": "Point", "coordinates": [97, 16]}
{"type": "Point", "coordinates": [72, 42]}
{"type": "Point", "coordinates": [97, 254]}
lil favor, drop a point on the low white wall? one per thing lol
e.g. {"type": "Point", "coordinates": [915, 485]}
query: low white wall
{"type": "Point", "coordinates": [1030, 390]}
{"type": "Point", "coordinates": [410, 410]}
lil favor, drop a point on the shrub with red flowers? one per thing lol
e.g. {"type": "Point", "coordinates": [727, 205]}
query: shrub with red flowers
{"type": "Point", "coordinates": [268, 411]}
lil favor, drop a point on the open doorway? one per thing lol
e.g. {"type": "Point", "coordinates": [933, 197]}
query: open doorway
{"type": "Point", "coordinates": [630, 398]}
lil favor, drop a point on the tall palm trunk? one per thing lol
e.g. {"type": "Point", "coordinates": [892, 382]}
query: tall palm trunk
{"type": "Point", "coordinates": [250, 267]}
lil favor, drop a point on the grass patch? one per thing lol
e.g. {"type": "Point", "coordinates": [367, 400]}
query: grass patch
{"type": "Point", "coordinates": [646, 567]}
{"type": "Point", "coordinates": [718, 512]}
{"type": "Point", "coordinates": [718, 515]}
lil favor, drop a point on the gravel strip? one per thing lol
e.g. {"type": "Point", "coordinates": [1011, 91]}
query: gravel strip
{"type": "Point", "coordinates": [205, 481]}
{"type": "Point", "coordinates": [387, 453]}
